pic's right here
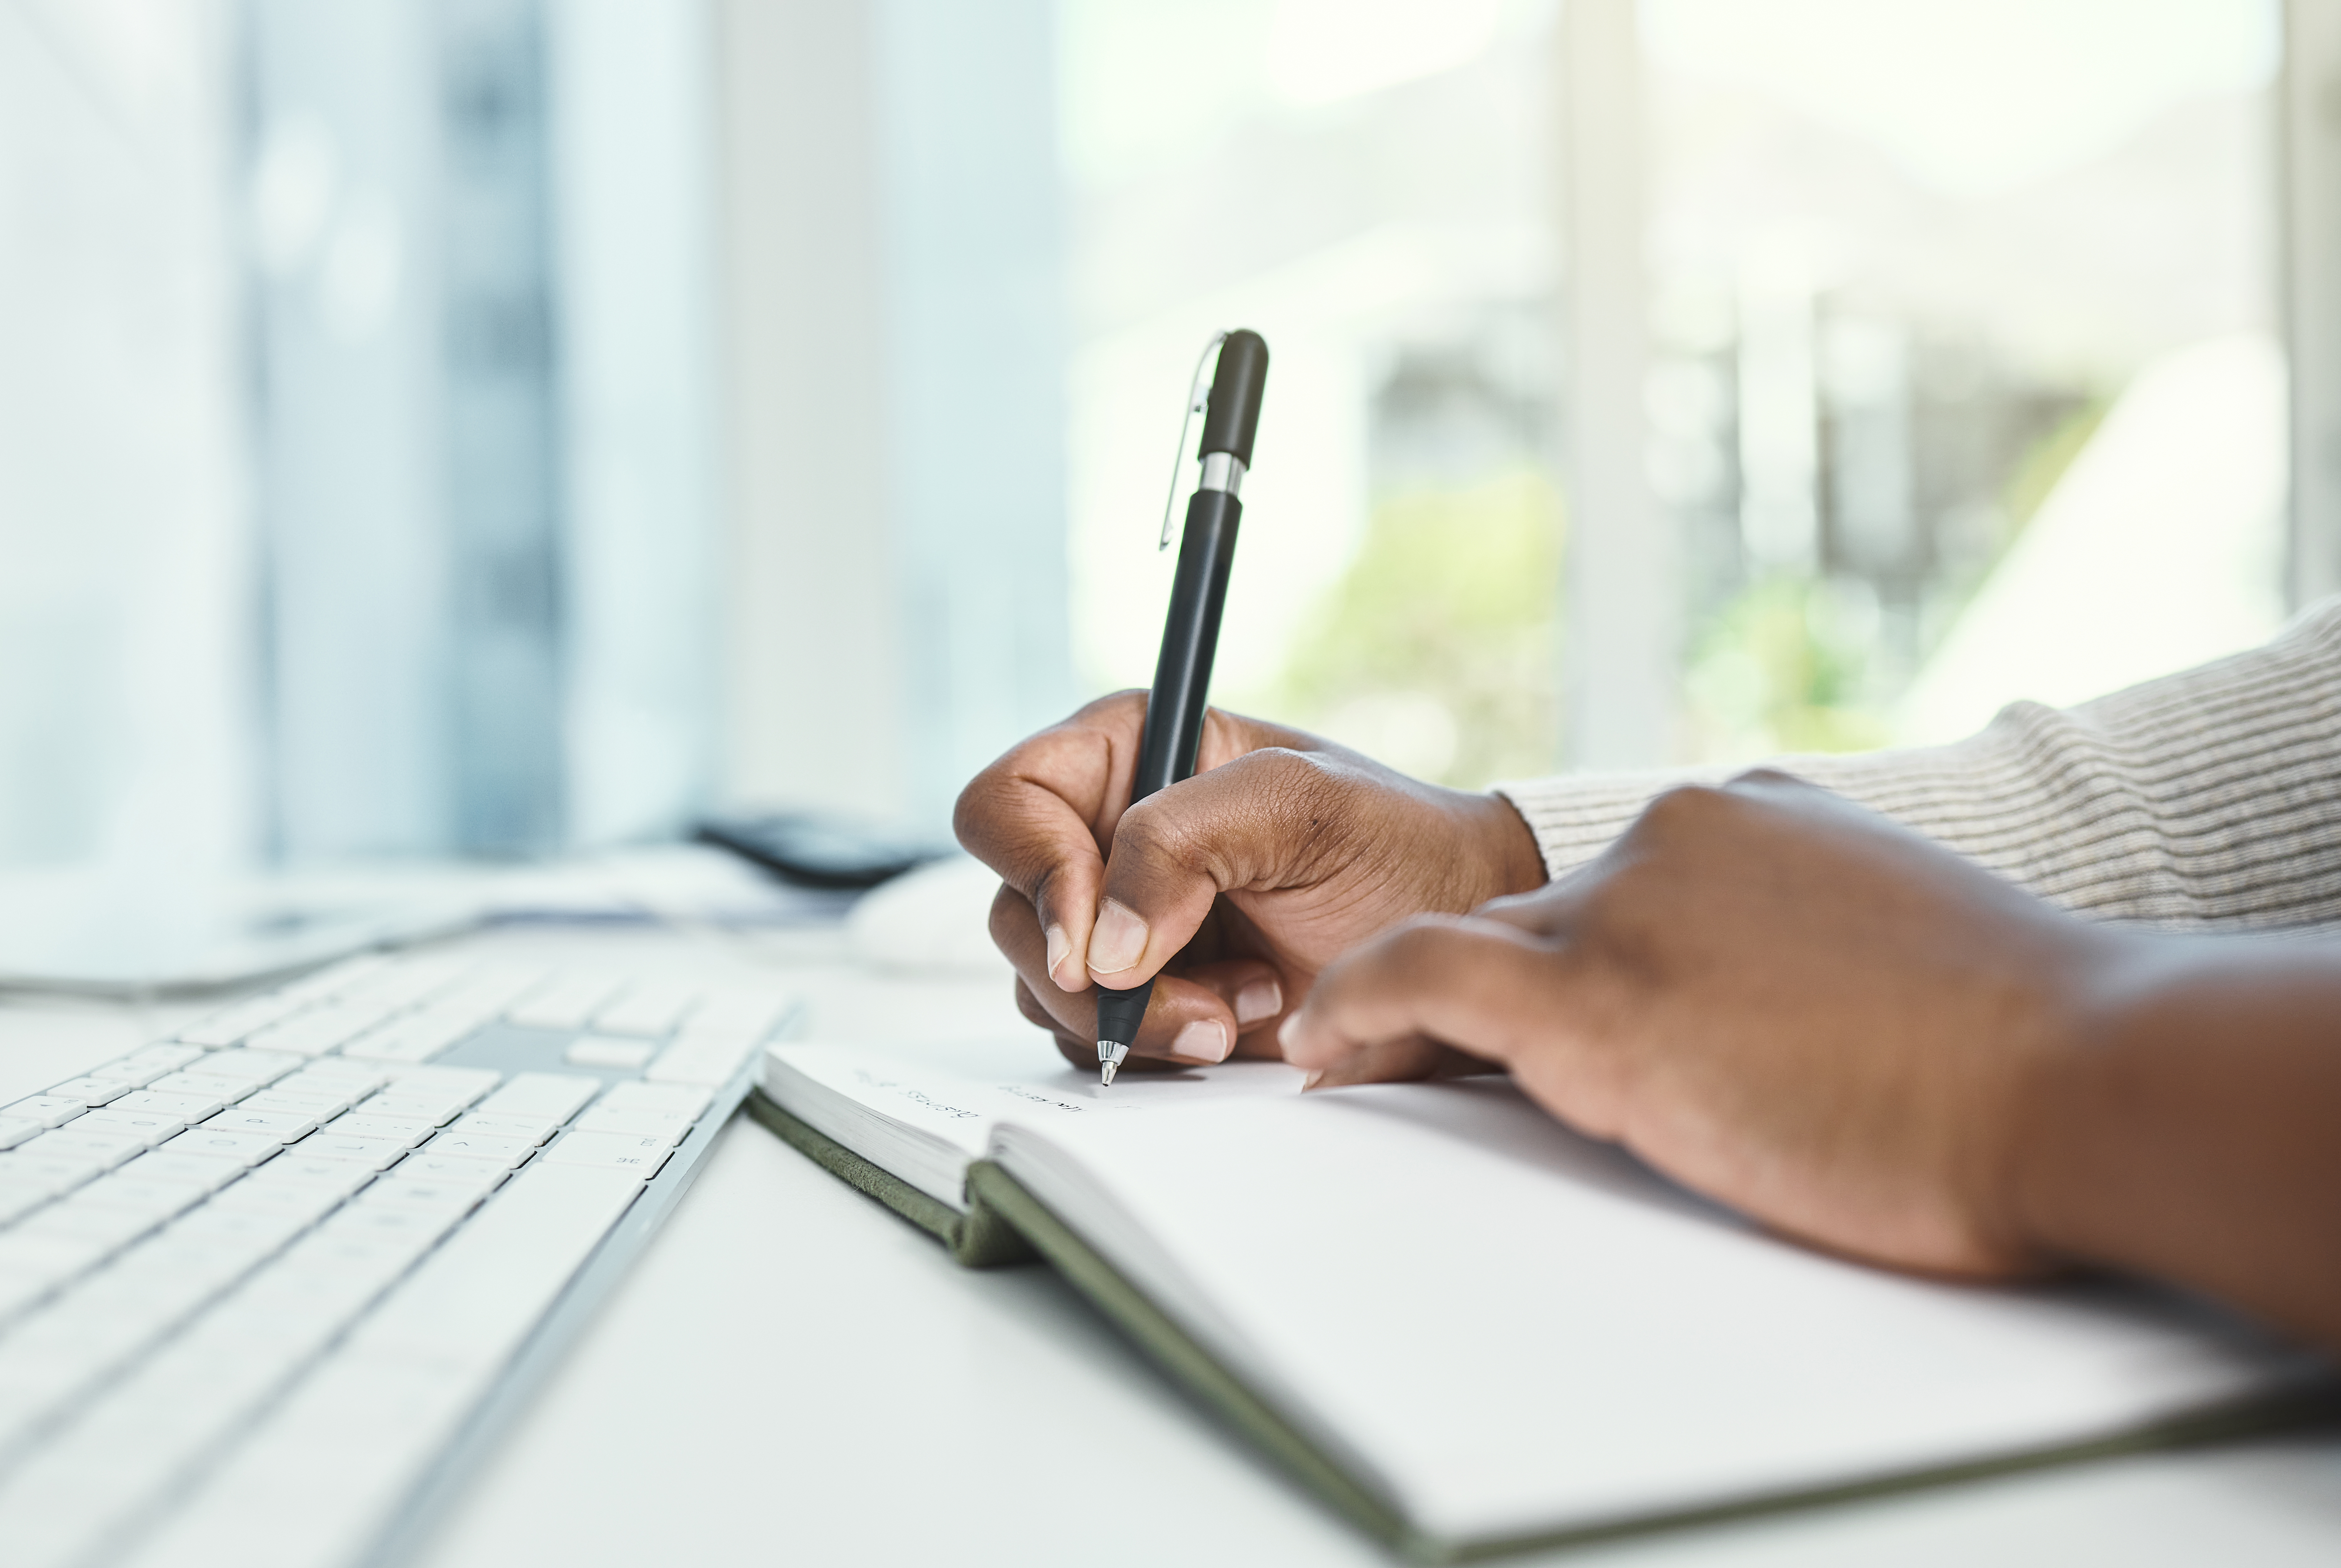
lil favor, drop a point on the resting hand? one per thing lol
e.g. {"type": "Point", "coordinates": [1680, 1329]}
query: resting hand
{"type": "Point", "coordinates": [1764, 991]}
{"type": "Point", "coordinates": [1282, 851]}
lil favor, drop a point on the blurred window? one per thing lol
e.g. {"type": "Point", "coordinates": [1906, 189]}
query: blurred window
{"type": "Point", "coordinates": [1962, 382]}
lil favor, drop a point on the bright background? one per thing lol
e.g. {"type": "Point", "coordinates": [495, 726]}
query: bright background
{"type": "Point", "coordinates": [502, 427]}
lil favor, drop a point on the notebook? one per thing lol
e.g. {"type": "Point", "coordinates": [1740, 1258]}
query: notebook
{"type": "Point", "coordinates": [905, 1126]}
{"type": "Point", "coordinates": [1473, 1331]}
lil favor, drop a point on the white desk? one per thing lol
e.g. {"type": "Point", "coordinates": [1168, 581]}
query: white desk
{"type": "Point", "coordinates": [794, 1375]}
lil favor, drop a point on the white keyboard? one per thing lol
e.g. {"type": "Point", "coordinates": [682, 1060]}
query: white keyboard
{"type": "Point", "coordinates": [260, 1284]}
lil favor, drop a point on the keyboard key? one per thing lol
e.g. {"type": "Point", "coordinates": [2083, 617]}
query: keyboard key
{"type": "Point", "coordinates": [654, 1010]}
{"type": "Point", "coordinates": [356, 1124]}
{"type": "Point", "coordinates": [245, 1148]}
{"type": "Point", "coordinates": [416, 1038]}
{"type": "Point", "coordinates": [284, 1126]}
{"type": "Point", "coordinates": [143, 1282]}
{"type": "Point", "coordinates": [306, 1201]}
{"type": "Point", "coordinates": [168, 1058]}
{"type": "Point", "coordinates": [48, 1110]}
{"type": "Point", "coordinates": [201, 1086]}
{"type": "Point", "coordinates": [684, 1098]}
{"type": "Point", "coordinates": [428, 1160]}
{"type": "Point", "coordinates": [396, 1105]}
{"type": "Point", "coordinates": [395, 1225]}
{"type": "Point", "coordinates": [78, 1219]}
{"type": "Point", "coordinates": [564, 1003]}
{"type": "Point", "coordinates": [322, 1107]}
{"type": "Point", "coordinates": [195, 1169]}
{"type": "Point", "coordinates": [17, 1291]}
{"type": "Point", "coordinates": [485, 995]}
{"type": "Point", "coordinates": [334, 979]}
{"type": "Point", "coordinates": [335, 1075]}
{"type": "Point", "coordinates": [505, 1151]}
{"type": "Point", "coordinates": [89, 1092]}
{"type": "Point", "coordinates": [249, 1066]}
{"type": "Point", "coordinates": [612, 1152]}
{"type": "Point", "coordinates": [150, 1127]}
{"type": "Point", "coordinates": [464, 1084]}
{"type": "Point", "coordinates": [316, 1107]}
{"type": "Point", "coordinates": [56, 1173]}
{"type": "Point", "coordinates": [603, 1051]}
{"type": "Point", "coordinates": [298, 1167]}
{"type": "Point", "coordinates": [231, 1025]}
{"type": "Point", "coordinates": [528, 1129]}
{"type": "Point", "coordinates": [129, 1074]}
{"type": "Point", "coordinates": [18, 1199]}
{"type": "Point", "coordinates": [190, 1108]}
{"type": "Point", "coordinates": [448, 1188]}
{"type": "Point", "coordinates": [378, 1258]}
{"type": "Point", "coordinates": [669, 1127]}
{"type": "Point", "coordinates": [373, 1153]}
{"type": "Point", "coordinates": [554, 1095]}
{"type": "Point", "coordinates": [703, 1058]}
{"type": "Point", "coordinates": [407, 984]}
{"type": "Point", "coordinates": [14, 1130]}
{"type": "Point", "coordinates": [126, 1189]}
{"type": "Point", "coordinates": [318, 1030]}
{"type": "Point", "coordinates": [103, 1147]}
{"type": "Point", "coordinates": [234, 1231]}
{"type": "Point", "coordinates": [46, 1257]}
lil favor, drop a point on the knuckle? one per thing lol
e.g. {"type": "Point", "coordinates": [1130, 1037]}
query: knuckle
{"type": "Point", "coordinates": [1011, 917]}
{"type": "Point", "coordinates": [1154, 832]}
{"type": "Point", "coordinates": [1028, 1004]}
{"type": "Point", "coordinates": [1685, 808]}
{"type": "Point", "coordinates": [1426, 949]}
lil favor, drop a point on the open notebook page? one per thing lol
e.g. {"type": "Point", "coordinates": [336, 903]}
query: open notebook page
{"type": "Point", "coordinates": [925, 1115]}
{"type": "Point", "coordinates": [1509, 1329]}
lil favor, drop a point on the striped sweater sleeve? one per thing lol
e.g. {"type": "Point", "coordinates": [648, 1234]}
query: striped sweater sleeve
{"type": "Point", "coordinates": [2206, 800]}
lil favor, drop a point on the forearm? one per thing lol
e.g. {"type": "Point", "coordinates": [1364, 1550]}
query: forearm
{"type": "Point", "coordinates": [2191, 1127]}
{"type": "Point", "coordinates": [2206, 800]}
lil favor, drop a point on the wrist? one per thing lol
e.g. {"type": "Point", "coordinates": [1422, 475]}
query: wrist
{"type": "Point", "coordinates": [1505, 846]}
{"type": "Point", "coordinates": [2067, 1088]}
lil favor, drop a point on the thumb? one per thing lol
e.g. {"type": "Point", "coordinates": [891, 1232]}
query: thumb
{"type": "Point", "coordinates": [1264, 820]}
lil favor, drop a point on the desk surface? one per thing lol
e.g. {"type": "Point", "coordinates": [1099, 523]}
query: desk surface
{"type": "Point", "coordinates": [792, 1373]}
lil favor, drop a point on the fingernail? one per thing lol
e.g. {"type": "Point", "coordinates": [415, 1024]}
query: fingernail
{"type": "Point", "coordinates": [1284, 1033]}
{"type": "Point", "coordinates": [1311, 1080]}
{"type": "Point", "coordinates": [1260, 999]}
{"type": "Point", "coordinates": [1117, 941]}
{"type": "Point", "coordinates": [1058, 946]}
{"type": "Point", "coordinates": [1205, 1040]}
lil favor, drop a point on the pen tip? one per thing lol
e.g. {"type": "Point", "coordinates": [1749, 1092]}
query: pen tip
{"type": "Point", "coordinates": [1105, 1075]}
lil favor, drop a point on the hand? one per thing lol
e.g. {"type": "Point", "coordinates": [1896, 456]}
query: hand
{"type": "Point", "coordinates": [1282, 851]}
{"type": "Point", "coordinates": [1769, 994]}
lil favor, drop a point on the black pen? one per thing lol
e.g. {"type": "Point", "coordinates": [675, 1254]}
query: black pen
{"type": "Point", "coordinates": [1191, 632]}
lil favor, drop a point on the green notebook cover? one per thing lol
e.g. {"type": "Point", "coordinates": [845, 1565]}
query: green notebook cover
{"type": "Point", "coordinates": [977, 1238]}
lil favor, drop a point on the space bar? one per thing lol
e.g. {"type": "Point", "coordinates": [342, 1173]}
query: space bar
{"type": "Point", "coordinates": [477, 1297]}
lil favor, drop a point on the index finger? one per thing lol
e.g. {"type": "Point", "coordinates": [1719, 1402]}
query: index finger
{"type": "Point", "coordinates": [1038, 816]}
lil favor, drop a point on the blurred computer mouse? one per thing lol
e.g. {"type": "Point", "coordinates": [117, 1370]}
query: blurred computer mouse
{"type": "Point", "coordinates": [931, 921]}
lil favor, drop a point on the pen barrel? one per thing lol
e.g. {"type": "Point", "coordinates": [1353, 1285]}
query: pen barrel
{"type": "Point", "coordinates": [1190, 635]}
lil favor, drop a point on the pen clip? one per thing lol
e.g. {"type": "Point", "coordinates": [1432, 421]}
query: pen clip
{"type": "Point", "coordinates": [1199, 393]}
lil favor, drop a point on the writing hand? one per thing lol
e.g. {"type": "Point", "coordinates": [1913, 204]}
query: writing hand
{"type": "Point", "coordinates": [1282, 851]}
